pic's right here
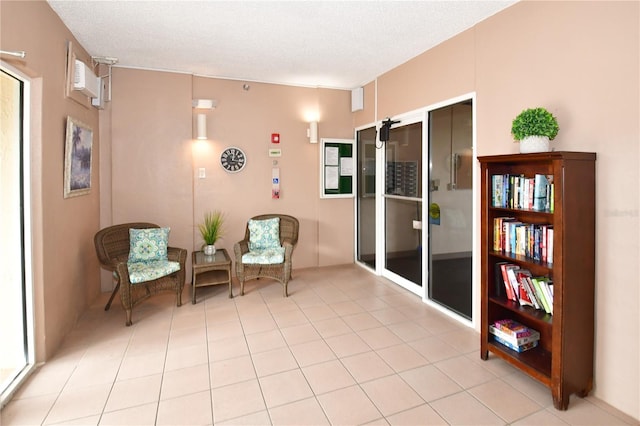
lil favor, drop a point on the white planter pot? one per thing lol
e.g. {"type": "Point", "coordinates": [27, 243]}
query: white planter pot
{"type": "Point", "coordinates": [209, 250]}
{"type": "Point", "coordinates": [534, 144]}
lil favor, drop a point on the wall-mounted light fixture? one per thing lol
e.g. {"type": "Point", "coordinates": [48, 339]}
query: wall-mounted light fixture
{"type": "Point", "coordinates": [202, 105]}
{"type": "Point", "coordinates": [312, 132]}
{"type": "Point", "coordinates": [201, 126]}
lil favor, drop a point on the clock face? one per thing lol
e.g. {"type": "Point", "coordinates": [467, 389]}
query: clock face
{"type": "Point", "coordinates": [232, 159]}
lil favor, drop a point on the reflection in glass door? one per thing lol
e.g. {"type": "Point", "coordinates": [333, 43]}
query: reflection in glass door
{"type": "Point", "coordinates": [450, 207]}
{"type": "Point", "coordinates": [366, 199]}
{"type": "Point", "coordinates": [403, 204]}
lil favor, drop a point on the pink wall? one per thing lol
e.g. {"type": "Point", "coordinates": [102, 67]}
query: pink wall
{"type": "Point", "coordinates": [150, 159]}
{"type": "Point", "coordinates": [155, 161]}
{"type": "Point", "coordinates": [65, 265]}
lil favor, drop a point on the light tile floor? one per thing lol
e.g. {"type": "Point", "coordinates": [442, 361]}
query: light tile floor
{"type": "Point", "coordinates": [346, 348]}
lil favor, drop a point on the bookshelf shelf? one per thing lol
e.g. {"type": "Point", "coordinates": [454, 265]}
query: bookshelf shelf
{"type": "Point", "coordinates": [521, 259]}
{"type": "Point", "coordinates": [536, 362]}
{"type": "Point", "coordinates": [563, 359]}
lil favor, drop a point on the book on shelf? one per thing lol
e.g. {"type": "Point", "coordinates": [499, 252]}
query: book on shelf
{"type": "Point", "coordinates": [544, 295]}
{"type": "Point", "coordinates": [526, 298]}
{"type": "Point", "coordinates": [526, 239]}
{"type": "Point", "coordinates": [531, 292]}
{"type": "Point", "coordinates": [515, 341]}
{"type": "Point", "coordinates": [520, 348]}
{"type": "Point", "coordinates": [540, 187]}
{"type": "Point", "coordinates": [513, 328]}
{"type": "Point", "coordinates": [522, 192]}
{"type": "Point", "coordinates": [497, 191]}
{"type": "Point", "coordinates": [499, 233]}
{"type": "Point", "coordinates": [499, 288]}
{"type": "Point", "coordinates": [504, 268]}
{"type": "Point", "coordinates": [546, 284]}
{"type": "Point", "coordinates": [513, 282]}
{"type": "Point", "coordinates": [549, 257]}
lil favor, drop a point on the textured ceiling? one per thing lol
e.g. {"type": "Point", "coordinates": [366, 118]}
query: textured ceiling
{"type": "Point", "coordinates": [335, 44]}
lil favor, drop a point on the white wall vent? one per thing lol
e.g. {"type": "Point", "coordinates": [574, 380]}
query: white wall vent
{"type": "Point", "coordinates": [85, 80]}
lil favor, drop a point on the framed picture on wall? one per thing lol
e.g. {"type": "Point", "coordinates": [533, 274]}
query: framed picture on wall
{"type": "Point", "coordinates": [77, 158]}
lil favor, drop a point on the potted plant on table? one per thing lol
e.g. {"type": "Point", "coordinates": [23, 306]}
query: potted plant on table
{"type": "Point", "coordinates": [211, 231]}
{"type": "Point", "coordinates": [534, 128]}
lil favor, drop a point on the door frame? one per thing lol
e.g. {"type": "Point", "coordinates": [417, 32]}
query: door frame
{"type": "Point", "coordinates": [28, 231]}
{"type": "Point", "coordinates": [408, 118]}
{"type": "Point", "coordinates": [412, 117]}
{"type": "Point", "coordinates": [475, 211]}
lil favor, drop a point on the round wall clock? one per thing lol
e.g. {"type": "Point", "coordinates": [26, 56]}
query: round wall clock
{"type": "Point", "coordinates": [233, 159]}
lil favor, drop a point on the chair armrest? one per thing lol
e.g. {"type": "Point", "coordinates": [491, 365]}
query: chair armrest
{"type": "Point", "coordinates": [288, 247]}
{"type": "Point", "coordinates": [122, 272]}
{"type": "Point", "coordinates": [176, 254]}
{"type": "Point", "coordinates": [240, 248]}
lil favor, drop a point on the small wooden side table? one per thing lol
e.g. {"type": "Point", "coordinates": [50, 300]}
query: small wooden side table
{"type": "Point", "coordinates": [210, 270]}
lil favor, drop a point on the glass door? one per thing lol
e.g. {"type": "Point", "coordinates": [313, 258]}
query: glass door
{"type": "Point", "coordinates": [403, 205]}
{"type": "Point", "coordinates": [15, 324]}
{"type": "Point", "coordinates": [366, 198]}
{"type": "Point", "coordinates": [451, 207]}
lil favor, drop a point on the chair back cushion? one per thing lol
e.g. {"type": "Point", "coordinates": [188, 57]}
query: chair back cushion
{"type": "Point", "coordinates": [148, 244]}
{"type": "Point", "coordinates": [140, 272]}
{"type": "Point", "coordinates": [264, 234]}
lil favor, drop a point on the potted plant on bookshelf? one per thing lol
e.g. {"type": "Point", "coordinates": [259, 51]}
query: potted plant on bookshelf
{"type": "Point", "coordinates": [211, 231]}
{"type": "Point", "coordinates": [534, 128]}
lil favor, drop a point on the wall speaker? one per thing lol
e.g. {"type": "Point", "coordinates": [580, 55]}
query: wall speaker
{"type": "Point", "coordinates": [357, 99]}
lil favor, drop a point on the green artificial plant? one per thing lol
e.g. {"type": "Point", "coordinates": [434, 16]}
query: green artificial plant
{"type": "Point", "coordinates": [534, 122]}
{"type": "Point", "coordinates": [211, 228]}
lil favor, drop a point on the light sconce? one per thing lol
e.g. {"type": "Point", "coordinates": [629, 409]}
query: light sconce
{"type": "Point", "coordinates": [201, 126]}
{"type": "Point", "coordinates": [201, 117]}
{"type": "Point", "coordinates": [312, 132]}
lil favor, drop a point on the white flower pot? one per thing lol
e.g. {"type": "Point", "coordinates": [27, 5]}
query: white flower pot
{"type": "Point", "coordinates": [534, 144]}
{"type": "Point", "coordinates": [209, 250]}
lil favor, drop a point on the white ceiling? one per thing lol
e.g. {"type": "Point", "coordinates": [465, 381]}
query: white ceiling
{"type": "Point", "coordinates": [333, 44]}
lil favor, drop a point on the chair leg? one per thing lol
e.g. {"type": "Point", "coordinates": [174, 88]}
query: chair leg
{"type": "Point", "coordinates": [241, 287]}
{"type": "Point", "coordinates": [113, 294]}
{"type": "Point", "coordinates": [128, 312]}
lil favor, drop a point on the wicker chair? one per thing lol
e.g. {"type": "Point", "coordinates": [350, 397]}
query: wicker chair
{"type": "Point", "coordinates": [281, 272]}
{"type": "Point", "coordinates": [112, 247]}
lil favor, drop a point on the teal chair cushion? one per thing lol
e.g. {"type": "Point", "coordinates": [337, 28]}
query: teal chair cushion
{"type": "Point", "coordinates": [148, 244]}
{"type": "Point", "coordinates": [264, 234]}
{"type": "Point", "coordinates": [140, 272]}
{"type": "Point", "coordinates": [268, 256]}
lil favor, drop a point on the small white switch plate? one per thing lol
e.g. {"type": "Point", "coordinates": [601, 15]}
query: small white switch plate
{"type": "Point", "coordinates": [202, 173]}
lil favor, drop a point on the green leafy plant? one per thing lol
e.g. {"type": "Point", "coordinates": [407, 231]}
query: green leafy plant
{"type": "Point", "coordinates": [211, 228]}
{"type": "Point", "coordinates": [534, 122]}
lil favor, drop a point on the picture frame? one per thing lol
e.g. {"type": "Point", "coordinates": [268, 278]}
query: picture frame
{"type": "Point", "coordinates": [77, 158]}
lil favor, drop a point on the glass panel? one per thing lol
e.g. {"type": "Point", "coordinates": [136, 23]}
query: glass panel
{"type": "Point", "coordinates": [367, 196]}
{"type": "Point", "coordinates": [450, 211]}
{"type": "Point", "coordinates": [13, 356]}
{"type": "Point", "coordinates": [403, 202]}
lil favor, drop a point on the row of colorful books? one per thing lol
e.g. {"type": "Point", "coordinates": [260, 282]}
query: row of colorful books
{"type": "Point", "coordinates": [520, 286]}
{"type": "Point", "coordinates": [526, 239]}
{"type": "Point", "coordinates": [520, 192]}
{"type": "Point", "coordinates": [514, 335]}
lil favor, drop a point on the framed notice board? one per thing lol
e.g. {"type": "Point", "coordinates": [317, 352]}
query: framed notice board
{"type": "Point", "coordinates": [337, 165]}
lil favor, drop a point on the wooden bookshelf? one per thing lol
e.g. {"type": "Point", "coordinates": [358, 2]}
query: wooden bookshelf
{"type": "Point", "coordinates": [563, 359]}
